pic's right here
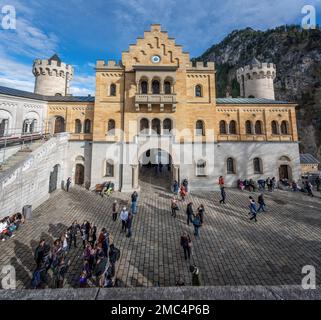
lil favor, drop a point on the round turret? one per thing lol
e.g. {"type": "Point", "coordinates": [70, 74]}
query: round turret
{"type": "Point", "coordinates": [256, 80]}
{"type": "Point", "coordinates": [52, 76]}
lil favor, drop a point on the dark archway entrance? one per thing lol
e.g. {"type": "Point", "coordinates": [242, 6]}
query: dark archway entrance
{"type": "Point", "coordinates": [155, 167]}
{"type": "Point", "coordinates": [59, 125]}
{"type": "Point", "coordinates": [80, 175]}
{"type": "Point", "coordinates": [53, 181]}
{"type": "Point", "coordinates": [285, 172]}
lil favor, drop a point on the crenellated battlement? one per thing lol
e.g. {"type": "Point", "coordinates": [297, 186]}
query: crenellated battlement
{"type": "Point", "coordinates": [110, 64]}
{"type": "Point", "coordinates": [257, 71]}
{"type": "Point", "coordinates": [201, 66]}
{"type": "Point", "coordinates": [52, 76]}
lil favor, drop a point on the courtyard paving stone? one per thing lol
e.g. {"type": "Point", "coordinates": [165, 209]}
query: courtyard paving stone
{"type": "Point", "coordinates": [231, 250]}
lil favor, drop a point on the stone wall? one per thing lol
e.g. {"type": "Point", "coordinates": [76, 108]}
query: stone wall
{"type": "Point", "coordinates": [28, 182]}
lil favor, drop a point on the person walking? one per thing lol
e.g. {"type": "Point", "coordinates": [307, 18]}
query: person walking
{"type": "Point", "coordinates": [93, 235]}
{"type": "Point", "coordinates": [123, 218]}
{"type": "Point", "coordinates": [221, 182]}
{"type": "Point", "coordinates": [174, 207]}
{"type": "Point", "coordinates": [261, 203]}
{"type": "Point", "coordinates": [189, 213]}
{"type": "Point", "coordinates": [129, 225]}
{"type": "Point", "coordinates": [186, 243]}
{"type": "Point", "coordinates": [115, 210]}
{"type": "Point", "coordinates": [308, 186]}
{"type": "Point", "coordinates": [134, 198]}
{"type": "Point", "coordinates": [185, 184]}
{"type": "Point", "coordinates": [183, 192]}
{"type": "Point", "coordinates": [68, 184]}
{"type": "Point", "coordinates": [223, 195]}
{"type": "Point", "coordinates": [197, 225]}
{"type": "Point", "coordinates": [201, 211]}
{"type": "Point", "coordinates": [253, 210]}
{"type": "Point", "coordinates": [175, 187]}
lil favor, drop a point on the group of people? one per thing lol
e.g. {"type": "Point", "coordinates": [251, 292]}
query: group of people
{"type": "Point", "coordinates": [9, 225]}
{"type": "Point", "coordinates": [261, 184]}
{"type": "Point", "coordinates": [100, 257]}
{"type": "Point", "coordinates": [97, 253]}
{"type": "Point", "coordinates": [181, 189]}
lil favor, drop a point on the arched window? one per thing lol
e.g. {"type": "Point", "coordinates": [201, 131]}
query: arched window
{"type": "Point", "coordinates": [59, 125]}
{"type": "Point", "coordinates": [87, 126]}
{"type": "Point", "coordinates": [113, 90]}
{"type": "Point", "coordinates": [77, 126]}
{"type": "Point", "coordinates": [144, 126]}
{"type": "Point", "coordinates": [200, 128]}
{"type": "Point", "coordinates": [232, 127]}
{"type": "Point", "coordinates": [156, 126]}
{"type": "Point", "coordinates": [257, 164]}
{"type": "Point", "coordinates": [109, 168]}
{"type": "Point", "coordinates": [4, 125]}
{"type": "Point", "coordinates": [230, 166]}
{"type": "Point", "coordinates": [284, 127]}
{"type": "Point", "coordinates": [275, 127]}
{"type": "Point", "coordinates": [223, 127]}
{"type": "Point", "coordinates": [25, 127]}
{"type": "Point", "coordinates": [258, 127]}
{"type": "Point", "coordinates": [167, 87]}
{"type": "Point", "coordinates": [201, 168]}
{"type": "Point", "coordinates": [111, 127]}
{"type": "Point", "coordinates": [248, 127]}
{"type": "Point", "coordinates": [198, 91]}
{"type": "Point", "coordinates": [156, 87]}
{"type": "Point", "coordinates": [34, 126]}
{"type": "Point", "coordinates": [144, 87]}
{"type": "Point", "coordinates": [167, 126]}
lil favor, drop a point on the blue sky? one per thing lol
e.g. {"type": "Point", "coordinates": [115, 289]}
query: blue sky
{"type": "Point", "coordinates": [83, 31]}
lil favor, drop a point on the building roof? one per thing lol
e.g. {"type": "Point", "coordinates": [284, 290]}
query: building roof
{"type": "Point", "coordinates": [249, 101]}
{"type": "Point", "coordinates": [55, 57]}
{"type": "Point", "coordinates": [34, 96]}
{"type": "Point", "coordinates": [255, 61]}
{"type": "Point", "coordinates": [307, 158]}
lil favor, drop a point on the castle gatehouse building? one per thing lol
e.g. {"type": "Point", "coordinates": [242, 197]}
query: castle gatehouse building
{"type": "Point", "coordinates": [157, 107]}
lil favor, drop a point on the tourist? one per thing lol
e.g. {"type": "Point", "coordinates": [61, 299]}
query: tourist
{"type": "Point", "coordinates": [189, 213]}
{"type": "Point", "coordinates": [294, 186]}
{"type": "Point", "coordinates": [68, 183]}
{"type": "Point", "coordinates": [253, 210]}
{"type": "Point", "coordinates": [134, 198]}
{"type": "Point", "coordinates": [318, 183]}
{"type": "Point", "coordinates": [64, 241]}
{"type": "Point", "coordinates": [185, 184]}
{"type": "Point", "coordinates": [114, 254]}
{"type": "Point", "coordinates": [201, 211]}
{"type": "Point", "coordinates": [83, 280]}
{"type": "Point", "coordinates": [223, 195]}
{"type": "Point", "coordinates": [72, 235]}
{"type": "Point", "coordinates": [129, 224]}
{"type": "Point", "coordinates": [93, 235]}
{"type": "Point", "coordinates": [269, 183]}
{"type": "Point", "coordinates": [261, 184]}
{"type": "Point", "coordinates": [123, 218]}
{"type": "Point", "coordinates": [261, 203]}
{"type": "Point", "coordinates": [85, 229]}
{"type": "Point", "coordinates": [241, 185]}
{"type": "Point", "coordinates": [105, 242]}
{"type": "Point", "coordinates": [183, 193]}
{"type": "Point", "coordinates": [186, 243]}
{"type": "Point", "coordinates": [174, 207]}
{"type": "Point", "coordinates": [309, 187]}
{"type": "Point", "coordinates": [175, 187]}
{"type": "Point", "coordinates": [197, 225]}
{"type": "Point", "coordinates": [221, 182]}
{"type": "Point", "coordinates": [59, 276]}
{"type": "Point", "coordinates": [39, 253]}
{"type": "Point", "coordinates": [273, 184]}
{"type": "Point", "coordinates": [115, 210]}
{"type": "Point", "coordinates": [196, 277]}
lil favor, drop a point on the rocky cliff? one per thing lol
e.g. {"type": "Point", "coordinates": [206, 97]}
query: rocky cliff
{"type": "Point", "coordinates": [297, 55]}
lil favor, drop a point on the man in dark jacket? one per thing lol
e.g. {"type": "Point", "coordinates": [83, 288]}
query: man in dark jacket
{"type": "Point", "coordinates": [129, 225]}
{"type": "Point", "coordinates": [196, 277]}
{"type": "Point", "coordinates": [189, 213]}
{"type": "Point", "coordinates": [40, 253]}
{"type": "Point", "coordinates": [72, 231]}
{"type": "Point", "coordinates": [261, 203]}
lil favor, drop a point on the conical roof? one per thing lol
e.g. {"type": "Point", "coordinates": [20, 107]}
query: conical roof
{"type": "Point", "coordinates": [55, 57]}
{"type": "Point", "coordinates": [255, 61]}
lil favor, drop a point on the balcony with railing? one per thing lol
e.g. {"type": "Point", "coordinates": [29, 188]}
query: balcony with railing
{"type": "Point", "coordinates": [158, 99]}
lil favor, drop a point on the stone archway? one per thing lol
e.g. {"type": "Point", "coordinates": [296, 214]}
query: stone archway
{"type": "Point", "coordinates": [59, 125]}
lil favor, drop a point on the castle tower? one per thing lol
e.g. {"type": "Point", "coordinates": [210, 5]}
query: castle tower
{"type": "Point", "coordinates": [256, 80]}
{"type": "Point", "coordinates": [52, 76]}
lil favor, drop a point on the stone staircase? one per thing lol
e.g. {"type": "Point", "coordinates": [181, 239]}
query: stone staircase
{"type": "Point", "coordinates": [19, 156]}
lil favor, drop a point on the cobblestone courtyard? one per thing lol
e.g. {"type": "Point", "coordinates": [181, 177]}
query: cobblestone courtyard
{"type": "Point", "coordinates": [231, 250]}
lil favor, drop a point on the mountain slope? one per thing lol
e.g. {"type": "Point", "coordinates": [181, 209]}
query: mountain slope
{"type": "Point", "coordinates": [297, 55]}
